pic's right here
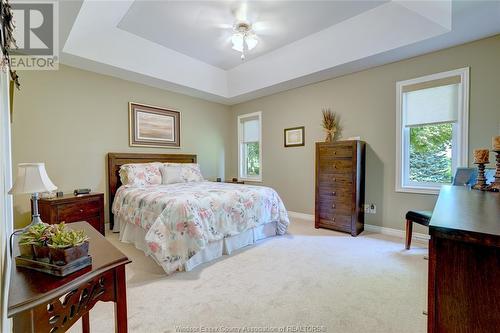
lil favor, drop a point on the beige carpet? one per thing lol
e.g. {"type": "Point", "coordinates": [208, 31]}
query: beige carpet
{"type": "Point", "coordinates": [318, 279]}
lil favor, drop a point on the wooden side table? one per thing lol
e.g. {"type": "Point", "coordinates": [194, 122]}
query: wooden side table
{"type": "Point", "coordinates": [70, 208]}
{"type": "Point", "coordinates": [241, 182]}
{"type": "Point", "coordinates": [42, 303]}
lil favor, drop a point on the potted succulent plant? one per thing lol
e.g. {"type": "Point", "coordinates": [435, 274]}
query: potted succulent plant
{"type": "Point", "coordinates": [67, 245]}
{"type": "Point", "coordinates": [33, 242]}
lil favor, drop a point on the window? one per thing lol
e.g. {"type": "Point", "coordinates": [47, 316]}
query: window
{"type": "Point", "coordinates": [432, 130]}
{"type": "Point", "coordinates": [250, 146]}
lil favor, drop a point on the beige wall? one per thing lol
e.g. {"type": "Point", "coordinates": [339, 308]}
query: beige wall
{"type": "Point", "coordinates": [366, 102]}
{"type": "Point", "coordinates": [70, 119]}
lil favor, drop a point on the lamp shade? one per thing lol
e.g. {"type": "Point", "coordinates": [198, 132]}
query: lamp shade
{"type": "Point", "coordinates": [32, 178]}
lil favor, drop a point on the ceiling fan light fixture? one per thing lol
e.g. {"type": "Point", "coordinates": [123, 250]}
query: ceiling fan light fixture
{"type": "Point", "coordinates": [251, 41]}
{"type": "Point", "coordinates": [237, 40]}
{"type": "Point", "coordinates": [243, 38]}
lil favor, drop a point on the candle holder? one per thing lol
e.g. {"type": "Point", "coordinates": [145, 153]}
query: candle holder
{"type": "Point", "coordinates": [481, 179]}
{"type": "Point", "coordinates": [495, 186]}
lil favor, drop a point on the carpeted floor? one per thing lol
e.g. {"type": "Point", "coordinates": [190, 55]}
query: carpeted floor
{"type": "Point", "coordinates": [319, 279]}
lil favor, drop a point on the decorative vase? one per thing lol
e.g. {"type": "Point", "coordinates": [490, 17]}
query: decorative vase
{"type": "Point", "coordinates": [330, 135]}
{"type": "Point", "coordinates": [61, 257]}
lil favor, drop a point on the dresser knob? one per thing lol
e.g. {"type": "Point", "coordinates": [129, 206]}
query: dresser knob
{"type": "Point", "coordinates": [333, 219]}
{"type": "Point", "coordinates": [333, 206]}
{"type": "Point", "coordinates": [81, 210]}
{"type": "Point", "coordinates": [334, 179]}
{"type": "Point", "coordinates": [334, 193]}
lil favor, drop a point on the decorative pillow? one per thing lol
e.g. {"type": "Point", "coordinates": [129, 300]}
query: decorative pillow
{"type": "Point", "coordinates": [140, 174]}
{"type": "Point", "coordinates": [171, 174]}
{"type": "Point", "coordinates": [189, 172]}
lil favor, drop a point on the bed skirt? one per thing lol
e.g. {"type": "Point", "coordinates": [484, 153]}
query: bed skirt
{"type": "Point", "coordinates": [131, 233]}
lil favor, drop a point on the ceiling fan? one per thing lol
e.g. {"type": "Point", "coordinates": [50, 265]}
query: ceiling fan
{"type": "Point", "coordinates": [243, 33]}
{"type": "Point", "coordinates": [243, 38]}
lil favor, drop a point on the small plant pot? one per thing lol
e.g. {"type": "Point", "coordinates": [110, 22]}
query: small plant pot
{"type": "Point", "coordinates": [41, 253]}
{"type": "Point", "coordinates": [26, 251]}
{"type": "Point", "coordinates": [63, 256]}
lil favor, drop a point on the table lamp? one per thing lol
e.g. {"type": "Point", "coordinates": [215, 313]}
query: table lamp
{"type": "Point", "coordinates": [32, 178]}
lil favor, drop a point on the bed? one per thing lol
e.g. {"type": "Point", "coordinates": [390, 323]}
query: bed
{"type": "Point", "coordinates": [182, 225]}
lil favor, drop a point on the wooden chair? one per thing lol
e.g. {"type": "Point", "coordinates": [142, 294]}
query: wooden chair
{"type": "Point", "coordinates": [463, 176]}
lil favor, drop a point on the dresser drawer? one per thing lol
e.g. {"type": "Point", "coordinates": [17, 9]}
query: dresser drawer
{"type": "Point", "coordinates": [77, 211]}
{"type": "Point", "coordinates": [338, 195]}
{"type": "Point", "coordinates": [336, 180]}
{"type": "Point", "coordinates": [331, 207]}
{"type": "Point", "coordinates": [335, 152]}
{"type": "Point", "coordinates": [338, 221]}
{"type": "Point", "coordinates": [335, 166]}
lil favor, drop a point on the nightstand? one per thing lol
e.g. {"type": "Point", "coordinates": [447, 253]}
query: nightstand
{"type": "Point", "coordinates": [236, 182]}
{"type": "Point", "coordinates": [70, 208]}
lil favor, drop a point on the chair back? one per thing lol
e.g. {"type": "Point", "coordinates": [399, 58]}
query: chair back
{"type": "Point", "coordinates": [465, 176]}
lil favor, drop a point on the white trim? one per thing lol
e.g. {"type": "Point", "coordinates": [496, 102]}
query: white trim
{"type": "Point", "coordinates": [257, 114]}
{"type": "Point", "coordinates": [6, 217]}
{"type": "Point", "coordinates": [396, 232]}
{"type": "Point", "coordinates": [370, 228]}
{"type": "Point", "coordinates": [462, 135]}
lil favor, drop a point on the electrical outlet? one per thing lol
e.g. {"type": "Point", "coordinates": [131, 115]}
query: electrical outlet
{"type": "Point", "coordinates": [373, 209]}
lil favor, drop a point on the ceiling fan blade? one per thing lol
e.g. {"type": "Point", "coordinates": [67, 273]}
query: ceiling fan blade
{"type": "Point", "coordinates": [224, 26]}
{"type": "Point", "coordinates": [265, 28]}
{"type": "Point", "coordinates": [240, 12]}
{"type": "Point", "coordinates": [213, 17]}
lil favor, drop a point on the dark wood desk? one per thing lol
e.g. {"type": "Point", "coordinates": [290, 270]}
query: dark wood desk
{"type": "Point", "coordinates": [40, 302]}
{"type": "Point", "coordinates": [464, 262]}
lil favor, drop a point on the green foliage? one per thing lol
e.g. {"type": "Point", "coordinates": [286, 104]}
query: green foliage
{"type": "Point", "coordinates": [35, 235]}
{"type": "Point", "coordinates": [63, 237]}
{"type": "Point", "coordinates": [55, 235]}
{"type": "Point", "coordinates": [253, 163]}
{"type": "Point", "coordinates": [430, 159]}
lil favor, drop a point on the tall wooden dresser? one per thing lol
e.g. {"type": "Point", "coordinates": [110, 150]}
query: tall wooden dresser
{"type": "Point", "coordinates": [340, 186]}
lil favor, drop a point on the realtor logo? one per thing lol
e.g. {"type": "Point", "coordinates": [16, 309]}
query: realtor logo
{"type": "Point", "coordinates": [36, 34]}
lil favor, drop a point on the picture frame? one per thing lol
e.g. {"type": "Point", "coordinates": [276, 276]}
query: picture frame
{"type": "Point", "coordinates": [294, 136]}
{"type": "Point", "coordinates": [153, 126]}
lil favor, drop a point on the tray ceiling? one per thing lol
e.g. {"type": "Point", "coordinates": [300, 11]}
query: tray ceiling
{"type": "Point", "coordinates": [202, 29]}
{"type": "Point", "coordinates": [183, 45]}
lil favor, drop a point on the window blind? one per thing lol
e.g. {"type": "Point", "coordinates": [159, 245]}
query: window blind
{"type": "Point", "coordinates": [251, 130]}
{"type": "Point", "coordinates": [431, 102]}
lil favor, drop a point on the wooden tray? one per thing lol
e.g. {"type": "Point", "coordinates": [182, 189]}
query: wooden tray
{"type": "Point", "coordinates": [54, 269]}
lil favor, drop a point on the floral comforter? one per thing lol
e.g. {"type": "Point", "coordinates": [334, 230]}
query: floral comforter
{"type": "Point", "coordinates": [181, 219]}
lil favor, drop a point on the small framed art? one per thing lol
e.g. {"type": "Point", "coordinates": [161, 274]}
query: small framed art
{"type": "Point", "coordinates": [294, 136]}
{"type": "Point", "coordinates": [152, 126]}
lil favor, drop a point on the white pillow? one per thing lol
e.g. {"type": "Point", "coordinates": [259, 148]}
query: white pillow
{"type": "Point", "coordinates": [171, 174]}
{"type": "Point", "coordinates": [181, 173]}
{"type": "Point", "coordinates": [140, 174]}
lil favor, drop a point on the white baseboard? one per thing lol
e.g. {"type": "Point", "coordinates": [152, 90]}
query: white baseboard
{"type": "Point", "coordinates": [396, 232]}
{"type": "Point", "coordinates": [371, 228]}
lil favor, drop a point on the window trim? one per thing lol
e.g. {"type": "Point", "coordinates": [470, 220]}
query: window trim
{"type": "Point", "coordinates": [462, 134]}
{"type": "Point", "coordinates": [257, 114]}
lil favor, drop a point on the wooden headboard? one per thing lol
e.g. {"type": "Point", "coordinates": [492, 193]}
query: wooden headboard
{"type": "Point", "coordinates": [116, 160]}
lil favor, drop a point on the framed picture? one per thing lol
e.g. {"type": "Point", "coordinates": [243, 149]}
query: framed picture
{"type": "Point", "coordinates": [294, 136]}
{"type": "Point", "coordinates": [151, 126]}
